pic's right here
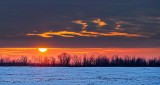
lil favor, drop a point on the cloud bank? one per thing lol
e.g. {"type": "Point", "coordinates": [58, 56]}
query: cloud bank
{"type": "Point", "coordinates": [85, 33]}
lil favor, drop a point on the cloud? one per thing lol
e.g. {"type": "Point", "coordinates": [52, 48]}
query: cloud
{"type": "Point", "coordinates": [118, 25]}
{"type": "Point", "coordinates": [59, 33]}
{"type": "Point", "coordinates": [99, 22]}
{"type": "Point", "coordinates": [84, 34]}
{"type": "Point", "coordinates": [84, 24]}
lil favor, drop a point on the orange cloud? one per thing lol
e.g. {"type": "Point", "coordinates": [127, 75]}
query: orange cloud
{"type": "Point", "coordinates": [122, 34]}
{"type": "Point", "coordinates": [59, 33]}
{"type": "Point", "coordinates": [84, 24]}
{"type": "Point", "coordinates": [99, 22]}
{"type": "Point", "coordinates": [83, 34]}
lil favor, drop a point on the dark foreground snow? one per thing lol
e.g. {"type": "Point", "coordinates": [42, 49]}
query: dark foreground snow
{"type": "Point", "coordinates": [79, 76]}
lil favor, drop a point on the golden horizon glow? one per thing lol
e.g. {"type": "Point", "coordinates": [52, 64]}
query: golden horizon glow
{"type": "Point", "coordinates": [31, 53]}
{"type": "Point", "coordinates": [42, 50]}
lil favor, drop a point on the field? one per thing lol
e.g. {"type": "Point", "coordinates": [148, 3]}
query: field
{"type": "Point", "coordinates": [79, 76]}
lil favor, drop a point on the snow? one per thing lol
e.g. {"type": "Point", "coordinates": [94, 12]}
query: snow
{"type": "Point", "coordinates": [79, 76]}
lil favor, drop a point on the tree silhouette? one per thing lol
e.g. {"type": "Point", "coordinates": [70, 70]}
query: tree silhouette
{"type": "Point", "coordinates": [65, 59]}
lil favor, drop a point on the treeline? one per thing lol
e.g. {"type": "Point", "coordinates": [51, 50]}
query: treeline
{"type": "Point", "coordinates": [67, 60]}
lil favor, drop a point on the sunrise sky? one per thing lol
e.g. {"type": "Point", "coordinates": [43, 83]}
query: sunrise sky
{"type": "Point", "coordinates": [146, 53]}
{"type": "Point", "coordinates": [80, 24]}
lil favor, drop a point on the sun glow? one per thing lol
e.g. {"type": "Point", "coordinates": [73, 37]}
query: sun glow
{"type": "Point", "coordinates": [42, 49]}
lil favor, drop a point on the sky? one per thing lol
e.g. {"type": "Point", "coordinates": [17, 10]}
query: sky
{"type": "Point", "coordinates": [33, 53]}
{"type": "Point", "coordinates": [80, 23]}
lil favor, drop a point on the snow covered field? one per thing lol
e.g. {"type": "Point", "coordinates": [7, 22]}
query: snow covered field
{"type": "Point", "coordinates": [79, 76]}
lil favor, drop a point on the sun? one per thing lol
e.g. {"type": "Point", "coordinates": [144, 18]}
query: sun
{"type": "Point", "coordinates": [42, 50]}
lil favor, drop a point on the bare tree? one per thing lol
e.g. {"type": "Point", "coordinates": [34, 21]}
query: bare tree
{"type": "Point", "coordinates": [46, 60]}
{"type": "Point", "coordinates": [64, 59]}
{"type": "Point", "coordinates": [76, 61]}
{"type": "Point", "coordinates": [23, 60]}
{"type": "Point", "coordinates": [53, 61]}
